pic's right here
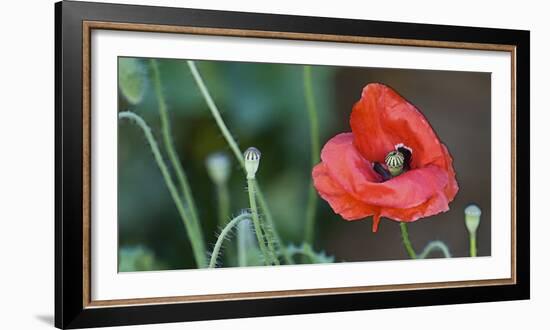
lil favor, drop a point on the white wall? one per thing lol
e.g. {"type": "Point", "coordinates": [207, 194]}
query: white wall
{"type": "Point", "coordinates": [26, 163]}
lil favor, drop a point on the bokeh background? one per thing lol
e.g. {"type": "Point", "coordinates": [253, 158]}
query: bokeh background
{"type": "Point", "coordinates": [264, 106]}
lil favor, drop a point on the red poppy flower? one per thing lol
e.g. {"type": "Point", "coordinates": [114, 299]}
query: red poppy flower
{"type": "Point", "coordinates": [354, 177]}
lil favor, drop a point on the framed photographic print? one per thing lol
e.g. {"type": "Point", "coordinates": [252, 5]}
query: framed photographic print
{"type": "Point", "coordinates": [218, 164]}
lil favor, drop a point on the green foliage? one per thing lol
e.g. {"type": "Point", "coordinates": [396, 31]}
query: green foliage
{"type": "Point", "coordinates": [136, 258]}
{"type": "Point", "coordinates": [256, 100]}
{"type": "Point", "coordinates": [288, 204]}
{"type": "Point", "coordinates": [314, 257]}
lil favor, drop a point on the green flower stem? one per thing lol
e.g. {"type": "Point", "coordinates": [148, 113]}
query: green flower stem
{"type": "Point", "coordinates": [473, 246]}
{"type": "Point", "coordinates": [406, 241]}
{"type": "Point", "coordinates": [432, 246]}
{"type": "Point", "coordinates": [315, 152]}
{"type": "Point", "coordinates": [269, 219]}
{"type": "Point", "coordinates": [257, 226]}
{"type": "Point", "coordinates": [223, 203]}
{"type": "Point", "coordinates": [270, 239]}
{"type": "Point", "coordinates": [197, 245]}
{"type": "Point", "coordinates": [237, 152]}
{"type": "Point", "coordinates": [215, 112]}
{"type": "Point", "coordinates": [226, 230]}
{"type": "Point", "coordinates": [472, 217]}
{"type": "Point", "coordinates": [242, 240]}
{"type": "Point", "coordinates": [172, 155]}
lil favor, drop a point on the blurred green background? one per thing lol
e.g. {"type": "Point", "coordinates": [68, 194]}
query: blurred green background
{"type": "Point", "coordinates": [264, 106]}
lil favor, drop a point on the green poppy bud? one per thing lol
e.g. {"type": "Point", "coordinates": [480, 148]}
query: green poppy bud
{"type": "Point", "coordinates": [132, 79]}
{"type": "Point", "coordinates": [252, 162]}
{"type": "Point", "coordinates": [472, 215]}
{"type": "Point", "coordinates": [218, 167]}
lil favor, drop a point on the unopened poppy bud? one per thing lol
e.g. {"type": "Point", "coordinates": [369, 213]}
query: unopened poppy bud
{"type": "Point", "coordinates": [395, 161]}
{"type": "Point", "coordinates": [132, 79]}
{"type": "Point", "coordinates": [252, 162]}
{"type": "Point", "coordinates": [218, 167]}
{"type": "Point", "coordinates": [472, 214]}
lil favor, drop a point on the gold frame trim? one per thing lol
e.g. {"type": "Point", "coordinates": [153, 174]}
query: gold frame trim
{"type": "Point", "coordinates": [88, 26]}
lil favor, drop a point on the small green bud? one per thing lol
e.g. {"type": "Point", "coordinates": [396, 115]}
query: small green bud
{"type": "Point", "coordinates": [395, 161]}
{"type": "Point", "coordinates": [132, 79]}
{"type": "Point", "coordinates": [252, 162]}
{"type": "Point", "coordinates": [218, 167]}
{"type": "Point", "coordinates": [472, 215]}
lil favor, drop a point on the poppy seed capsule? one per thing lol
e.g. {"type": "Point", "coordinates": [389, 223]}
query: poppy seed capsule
{"type": "Point", "coordinates": [252, 162]}
{"type": "Point", "coordinates": [218, 167]}
{"type": "Point", "coordinates": [395, 161]}
{"type": "Point", "coordinates": [472, 214]}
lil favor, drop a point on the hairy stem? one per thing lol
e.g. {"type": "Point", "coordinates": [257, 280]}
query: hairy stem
{"type": "Point", "coordinates": [257, 226]}
{"type": "Point", "coordinates": [196, 244]}
{"type": "Point", "coordinates": [244, 236]}
{"type": "Point", "coordinates": [269, 219]}
{"type": "Point", "coordinates": [226, 230]}
{"type": "Point", "coordinates": [406, 241]}
{"type": "Point", "coordinates": [315, 151]}
{"type": "Point", "coordinates": [236, 151]}
{"type": "Point", "coordinates": [270, 239]}
{"type": "Point", "coordinates": [172, 155]}
{"type": "Point", "coordinates": [433, 246]}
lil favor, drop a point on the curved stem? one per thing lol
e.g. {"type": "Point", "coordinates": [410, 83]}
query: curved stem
{"type": "Point", "coordinates": [432, 246]}
{"type": "Point", "coordinates": [236, 151]}
{"type": "Point", "coordinates": [315, 151]}
{"type": "Point", "coordinates": [435, 245]}
{"type": "Point", "coordinates": [406, 241]}
{"type": "Point", "coordinates": [307, 251]}
{"type": "Point", "coordinates": [226, 230]}
{"type": "Point", "coordinates": [172, 155]}
{"type": "Point", "coordinates": [196, 244]}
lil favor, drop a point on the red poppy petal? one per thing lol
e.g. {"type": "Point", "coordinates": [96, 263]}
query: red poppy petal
{"type": "Point", "coordinates": [436, 204]}
{"type": "Point", "coordinates": [346, 163]}
{"type": "Point", "coordinates": [350, 208]}
{"type": "Point", "coordinates": [383, 119]}
{"type": "Point", "coordinates": [452, 188]}
{"type": "Point", "coordinates": [355, 175]}
{"type": "Point", "coordinates": [341, 202]}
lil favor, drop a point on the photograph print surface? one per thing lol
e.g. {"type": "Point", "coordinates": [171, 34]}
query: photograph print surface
{"type": "Point", "coordinates": [233, 164]}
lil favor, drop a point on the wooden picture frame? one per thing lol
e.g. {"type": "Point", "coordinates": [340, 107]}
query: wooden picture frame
{"type": "Point", "coordinates": [74, 306]}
